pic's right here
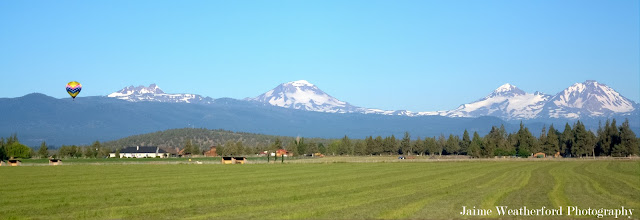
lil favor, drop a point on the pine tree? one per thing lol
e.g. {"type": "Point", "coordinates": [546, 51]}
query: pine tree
{"type": "Point", "coordinates": [464, 144]}
{"type": "Point", "coordinates": [603, 146]}
{"type": "Point", "coordinates": [378, 147]}
{"type": "Point", "coordinates": [419, 147]}
{"type": "Point", "coordinates": [476, 146]}
{"type": "Point", "coordinates": [346, 147]}
{"type": "Point", "coordinates": [405, 144]}
{"type": "Point", "coordinates": [582, 144]}
{"type": "Point", "coordinates": [360, 148]}
{"type": "Point", "coordinates": [3, 150]}
{"type": "Point", "coordinates": [431, 145]}
{"type": "Point", "coordinates": [370, 144]}
{"type": "Point", "coordinates": [628, 139]}
{"type": "Point", "coordinates": [442, 143]}
{"type": "Point", "coordinates": [43, 152]}
{"type": "Point", "coordinates": [552, 142]}
{"type": "Point", "coordinates": [453, 144]}
{"type": "Point", "coordinates": [567, 140]}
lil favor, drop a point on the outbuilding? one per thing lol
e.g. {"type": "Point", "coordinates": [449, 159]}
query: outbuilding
{"type": "Point", "coordinates": [141, 152]}
{"type": "Point", "coordinates": [15, 163]}
{"type": "Point", "coordinates": [55, 162]}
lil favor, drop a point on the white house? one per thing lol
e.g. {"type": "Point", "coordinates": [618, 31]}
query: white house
{"type": "Point", "coordinates": [141, 152]}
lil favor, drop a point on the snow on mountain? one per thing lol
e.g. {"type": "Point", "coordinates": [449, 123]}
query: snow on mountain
{"type": "Point", "coordinates": [153, 93]}
{"type": "Point", "coordinates": [590, 99]}
{"type": "Point", "coordinates": [507, 102]}
{"type": "Point", "coordinates": [303, 95]}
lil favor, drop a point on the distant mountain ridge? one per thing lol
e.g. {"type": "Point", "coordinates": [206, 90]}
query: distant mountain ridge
{"type": "Point", "coordinates": [153, 93]}
{"type": "Point", "coordinates": [508, 102]}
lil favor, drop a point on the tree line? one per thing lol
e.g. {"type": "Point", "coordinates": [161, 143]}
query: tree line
{"type": "Point", "coordinates": [573, 141]}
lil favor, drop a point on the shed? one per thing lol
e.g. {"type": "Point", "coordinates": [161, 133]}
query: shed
{"type": "Point", "coordinates": [539, 155]}
{"type": "Point", "coordinates": [55, 162]}
{"type": "Point", "coordinates": [234, 160]}
{"type": "Point", "coordinates": [240, 160]}
{"type": "Point", "coordinates": [228, 160]}
{"type": "Point", "coordinates": [15, 163]}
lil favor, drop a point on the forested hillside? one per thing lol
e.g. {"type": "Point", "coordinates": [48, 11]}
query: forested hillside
{"type": "Point", "coordinates": [203, 138]}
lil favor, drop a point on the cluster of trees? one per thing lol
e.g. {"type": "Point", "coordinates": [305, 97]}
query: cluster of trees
{"type": "Point", "coordinates": [95, 150]}
{"type": "Point", "coordinates": [575, 141]}
{"type": "Point", "coordinates": [11, 147]}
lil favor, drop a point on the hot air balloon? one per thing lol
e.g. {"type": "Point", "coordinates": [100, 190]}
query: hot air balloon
{"type": "Point", "coordinates": [73, 88]}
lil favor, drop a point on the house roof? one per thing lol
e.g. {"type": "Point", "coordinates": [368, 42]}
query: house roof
{"type": "Point", "coordinates": [142, 149]}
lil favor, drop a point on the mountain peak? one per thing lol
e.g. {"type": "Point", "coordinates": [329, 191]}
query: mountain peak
{"type": "Point", "coordinates": [300, 83]}
{"type": "Point", "coordinates": [590, 98]}
{"type": "Point", "coordinates": [303, 95]}
{"type": "Point", "coordinates": [153, 93]}
{"type": "Point", "coordinates": [505, 88]}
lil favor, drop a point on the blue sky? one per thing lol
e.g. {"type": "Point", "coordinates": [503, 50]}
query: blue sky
{"type": "Point", "coordinates": [414, 55]}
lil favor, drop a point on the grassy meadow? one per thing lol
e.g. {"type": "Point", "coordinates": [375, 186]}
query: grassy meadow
{"type": "Point", "coordinates": [338, 190]}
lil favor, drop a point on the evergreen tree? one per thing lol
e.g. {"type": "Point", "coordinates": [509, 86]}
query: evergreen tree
{"type": "Point", "coordinates": [582, 145]}
{"type": "Point", "coordinates": [476, 146]}
{"type": "Point", "coordinates": [322, 149]}
{"type": "Point", "coordinates": [43, 152]}
{"type": "Point", "coordinates": [628, 139]}
{"type": "Point", "coordinates": [431, 146]}
{"type": "Point", "coordinates": [552, 143]}
{"type": "Point", "coordinates": [346, 147]}
{"type": "Point", "coordinates": [492, 142]}
{"type": "Point", "coordinates": [614, 134]}
{"type": "Point", "coordinates": [419, 147]}
{"type": "Point", "coordinates": [525, 141]}
{"type": "Point", "coordinates": [370, 145]}
{"type": "Point", "coordinates": [301, 147]}
{"type": "Point", "coordinates": [464, 144]}
{"type": "Point", "coordinates": [405, 144]}
{"type": "Point", "coordinates": [360, 148]}
{"type": "Point", "coordinates": [378, 145]}
{"type": "Point", "coordinates": [453, 144]}
{"type": "Point", "coordinates": [3, 150]}
{"type": "Point", "coordinates": [390, 145]}
{"type": "Point", "coordinates": [441, 144]}
{"type": "Point", "coordinates": [567, 140]}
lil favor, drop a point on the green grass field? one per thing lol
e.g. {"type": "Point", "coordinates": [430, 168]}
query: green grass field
{"type": "Point", "coordinates": [312, 190]}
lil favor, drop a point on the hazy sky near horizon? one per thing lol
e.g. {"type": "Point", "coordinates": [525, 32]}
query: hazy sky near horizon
{"type": "Point", "coordinates": [414, 55]}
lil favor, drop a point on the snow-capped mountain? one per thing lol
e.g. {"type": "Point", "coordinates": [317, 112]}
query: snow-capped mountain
{"type": "Point", "coordinates": [588, 99]}
{"type": "Point", "coordinates": [507, 102]}
{"type": "Point", "coordinates": [303, 95]}
{"type": "Point", "coordinates": [153, 93]}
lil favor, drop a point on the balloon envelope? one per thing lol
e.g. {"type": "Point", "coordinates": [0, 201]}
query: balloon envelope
{"type": "Point", "coordinates": [73, 88]}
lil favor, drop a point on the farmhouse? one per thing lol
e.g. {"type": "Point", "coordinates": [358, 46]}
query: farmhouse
{"type": "Point", "coordinates": [281, 152]}
{"type": "Point", "coordinates": [211, 152]}
{"type": "Point", "coordinates": [141, 152]}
